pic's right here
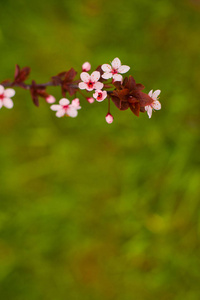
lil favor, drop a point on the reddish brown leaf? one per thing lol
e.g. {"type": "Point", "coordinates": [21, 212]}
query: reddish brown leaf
{"type": "Point", "coordinates": [135, 108]}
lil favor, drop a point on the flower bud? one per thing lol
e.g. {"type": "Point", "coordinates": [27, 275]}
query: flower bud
{"type": "Point", "coordinates": [90, 100]}
{"type": "Point", "coordinates": [109, 118]}
{"type": "Point", "coordinates": [50, 99]}
{"type": "Point", "coordinates": [86, 67]}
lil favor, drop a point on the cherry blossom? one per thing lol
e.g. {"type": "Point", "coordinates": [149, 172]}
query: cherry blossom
{"type": "Point", "coordinates": [155, 104]}
{"type": "Point", "coordinates": [100, 95]}
{"type": "Point", "coordinates": [5, 95]}
{"type": "Point", "coordinates": [86, 67]}
{"type": "Point", "coordinates": [50, 99]}
{"type": "Point", "coordinates": [113, 70]}
{"type": "Point", "coordinates": [90, 82]}
{"type": "Point", "coordinates": [109, 118]}
{"type": "Point", "coordinates": [65, 108]}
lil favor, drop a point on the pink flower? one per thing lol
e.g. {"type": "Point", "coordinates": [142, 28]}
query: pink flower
{"type": "Point", "coordinates": [86, 67]}
{"type": "Point", "coordinates": [100, 95]}
{"type": "Point", "coordinates": [155, 104]}
{"type": "Point", "coordinates": [5, 96]}
{"type": "Point", "coordinates": [90, 100]}
{"type": "Point", "coordinates": [114, 70]}
{"type": "Point", "coordinates": [109, 118]}
{"type": "Point", "coordinates": [65, 108]}
{"type": "Point", "coordinates": [50, 99]}
{"type": "Point", "coordinates": [90, 82]}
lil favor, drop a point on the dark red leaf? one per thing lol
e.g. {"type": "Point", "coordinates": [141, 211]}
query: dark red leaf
{"type": "Point", "coordinates": [69, 76]}
{"type": "Point", "coordinates": [119, 104]}
{"type": "Point", "coordinates": [17, 71]}
{"type": "Point", "coordinates": [135, 108]}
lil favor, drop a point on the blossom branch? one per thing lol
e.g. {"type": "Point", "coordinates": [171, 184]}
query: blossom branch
{"type": "Point", "coordinates": [124, 93]}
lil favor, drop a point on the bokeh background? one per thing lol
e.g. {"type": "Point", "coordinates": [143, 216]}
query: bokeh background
{"type": "Point", "coordinates": [90, 210]}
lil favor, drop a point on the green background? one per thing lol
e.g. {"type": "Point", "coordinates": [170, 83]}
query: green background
{"type": "Point", "coordinates": [90, 210]}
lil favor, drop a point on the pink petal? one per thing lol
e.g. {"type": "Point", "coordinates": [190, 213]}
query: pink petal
{"type": "Point", "coordinates": [95, 95]}
{"type": "Point", "coordinates": [150, 93]}
{"type": "Point", "coordinates": [82, 85]}
{"type": "Point", "coordinates": [98, 85]}
{"type": "Point", "coordinates": [95, 76]}
{"type": "Point", "coordinates": [76, 103]}
{"type": "Point", "coordinates": [9, 93]}
{"type": "Point", "coordinates": [86, 66]}
{"type": "Point", "coordinates": [60, 113]}
{"type": "Point", "coordinates": [117, 77]}
{"type": "Point", "coordinates": [1, 89]}
{"type": "Point", "coordinates": [64, 101]}
{"type": "Point", "coordinates": [107, 75]}
{"type": "Point", "coordinates": [7, 102]}
{"type": "Point", "coordinates": [55, 107]}
{"type": "Point", "coordinates": [116, 63]}
{"type": "Point", "coordinates": [104, 95]}
{"type": "Point", "coordinates": [156, 105]}
{"type": "Point", "coordinates": [72, 112]}
{"type": "Point", "coordinates": [123, 69]}
{"type": "Point", "coordinates": [1, 104]}
{"type": "Point", "coordinates": [106, 68]}
{"type": "Point", "coordinates": [85, 77]}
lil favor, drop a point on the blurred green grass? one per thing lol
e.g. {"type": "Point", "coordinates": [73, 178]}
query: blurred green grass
{"type": "Point", "coordinates": [90, 210]}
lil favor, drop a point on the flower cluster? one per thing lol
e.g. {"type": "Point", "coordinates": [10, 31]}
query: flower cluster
{"type": "Point", "coordinates": [123, 92]}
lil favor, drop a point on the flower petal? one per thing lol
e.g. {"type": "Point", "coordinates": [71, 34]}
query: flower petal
{"type": "Point", "coordinates": [156, 94]}
{"type": "Point", "coordinates": [76, 103]}
{"type": "Point", "coordinates": [72, 112]}
{"type": "Point", "coordinates": [85, 77]}
{"type": "Point", "coordinates": [117, 77]}
{"type": "Point", "coordinates": [8, 103]}
{"type": "Point", "coordinates": [116, 63]}
{"type": "Point", "coordinates": [106, 68]}
{"type": "Point", "coordinates": [60, 113]}
{"type": "Point", "coordinates": [156, 105]}
{"type": "Point", "coordinates": [1, 89]}
{"type": "Point", "coordinates": [9, 93]}
{"type": "Point", "coordinates": [106, 75]}
{"type": "Point", "coordinates": [123, 69]}
{"type": "Point", "coordinates": [55, 107]}
{"type": "Point", "coordinates": [1, 104]}
{"type": "Point", "coordinates": [95, 76]}
{"type": "Point", "coordinates": [150, 93]}
{"type": "Point", "coordinates": [82, 85]}
{"type": "Point", "coordinates": [64, 101]}
{"type": "Point", "coordinates": [148, 109]}
{"type": "Point", "coordinates": [98, 85]}
{"type": "Point", "coordinates": [95, 95]}
{"type": "Point", "coordinates": [104, 94]}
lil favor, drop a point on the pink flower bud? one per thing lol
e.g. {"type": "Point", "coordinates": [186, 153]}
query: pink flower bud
{"type": "Point", "coordinates": [50, 99]}
{"type": "Point", "coordinates": [109, 118]}
{"type": "Point", "coordinates": [86, 67]}
{"type": "Point", "coordinates": [90, 100]}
